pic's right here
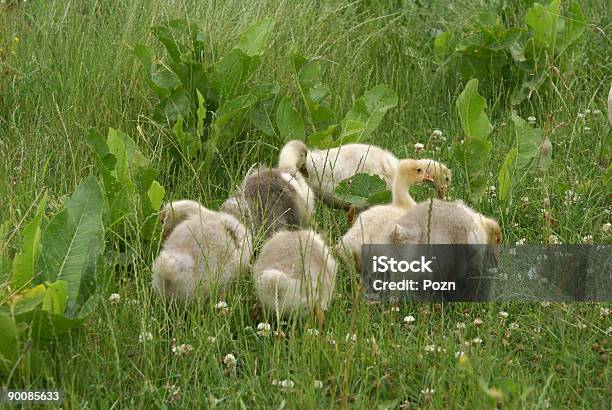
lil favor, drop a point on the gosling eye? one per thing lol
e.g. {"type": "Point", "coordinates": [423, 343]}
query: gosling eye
{"type": "Point", "coordinates": [419, 170]}
{"type": "Point", "coordinates": [446, 179]}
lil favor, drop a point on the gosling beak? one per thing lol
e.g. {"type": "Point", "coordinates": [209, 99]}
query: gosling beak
{"type": "Point", "coordinates": [428, 178]}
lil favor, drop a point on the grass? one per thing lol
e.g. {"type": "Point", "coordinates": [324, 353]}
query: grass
{"type": "Point", "coordinates": [72, 69]}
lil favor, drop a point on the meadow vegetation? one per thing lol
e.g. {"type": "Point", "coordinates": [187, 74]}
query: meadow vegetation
{"type": "Point", "coordinates": [72, 74]}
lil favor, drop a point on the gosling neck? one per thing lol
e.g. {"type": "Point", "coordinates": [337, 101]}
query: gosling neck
{"type": "Point", "coordinates": [290, 157]}
{"type": "Point", "coordinates": [400, 191]}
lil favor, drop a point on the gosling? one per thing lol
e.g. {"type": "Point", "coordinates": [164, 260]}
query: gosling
{"type": "Point", "coordinates": [295, 274]}
{"type": "Point", "coordinates": [274, 199]}
{"type": "Point", "coordinates": [204, 253]}
{"type": "Point", "coordinates": [375, 225]}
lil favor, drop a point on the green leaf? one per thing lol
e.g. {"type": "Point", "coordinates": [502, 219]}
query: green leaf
{"type": "Point", "coordinates": [48, 325]}
{"type": "Point", "coordinates": [56, 297]}
{"type": "Point", "coordinates": [254, 40]}
{"type": "Point", "coordinates": [573, 29]}
{"type": "Point", "coordinates": [323, 139]}
{"type": "Point", "coordinates": [164, 78]}
{"type": "Point", "coordinates": [24, 264]}
{"type": "Point", "coordinates": [527, 87]}
{"type": "Point", "coordinates": [528, 142]}
{"type": "Point", "coordinates": [9, 344]}
{"type": "Point", "coordinates": [132, 170]}
{"type": "Point", "coordinates": [309, 74]}
{"type": "Point", "coordinates": [233, 108]}
{"type": "Point", "coordinates": [443, 44]}
{"type": "Point", "coordinates": [382, 197]}
{"type": "Point", "coordinates": [471, 106]}
{"type": "Point", "coordinates": [29, 299]}
{"type": "Point", "coordinates": [289, 123]}
{"type": "Point", "coordinates": [543, 21]}
{"type": "Point", "coordinates": [170, 40]}
{"type": "Point", "coordinates": [201, 113]}
{"type": "Point", "coordinates": [352, 130]}
{"type": "Point", "coordinates": [359, 188]}
{"type": "Point", "coordinates": [474, 155]}
{"type": "Point", "coordinates": [106, 162]}
{"type": "Point", "coordinates": [73, 240]}
{"type": "Point", "coordinates": [145, 55]}
{"type": "Point", "coordinates": [188, 143]}
{"type": "Point", "coordinates": [263, 116]}
{"type": "Point", "coordinates": [505, 175]}
{"type": "Point", "coordinates": [231, 71]}
{"type": "Point", "coordinates": [369, 110]}
{"type": "Point", "coordinates": [156, 195]}
{"type": "Point", "coordinates": [169, 108]}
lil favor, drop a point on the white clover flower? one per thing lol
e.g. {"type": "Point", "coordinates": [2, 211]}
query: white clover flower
{"type": "Point", "coordinates": [609, 330]}
{"type": "Point", "coordinates": [427, 392]}
{"type": "Point", "coordinates": [603, 312]}
{"type": "Point", "coordinates": [459, 354]}
{"type": "Point", "coordinates": [503, 314]}
{"type": "Point", "coordinates": [318, 384]}
{"type": "Point", "coordinates": [581, 115]}
{"type": "Point", "coordinates": [182, 349]}
{"type": "Point", "coordinates": [492, 188]}
{"type": "Point", "coordinates": [114, 298]}
{"type": "Point", "coordinates": [212, 339]}
{"type": "Point", "coordinates": [545, 303]}
{"type": "Point", "coordinates": [531, 119]}
{"type": "Point", "coordinates": [419, 147]}
{"type": "Point", "coordinates": [330, 340]}
{"type": "Point", "coordinates": [313, 332]}
{"type": "Point", "coordinates": [554, 239]}
{"type": "Point", "coordinates": [430, 348]}
{"type": "Point", "coordinates": [532, 273]}
{"type": "Point", "coordinates": [478, 321]}
{"type": "Point", "coordinates": [222, 307]}
{"type": "Point", "coordinates": [145, 337]}
{"type": "Point", "coordinates": [409, 319]}
{"type": "Point", "coordinates": [436, 134]}
{"type": "Point", "coordinates": [581, 325]}
{"type": "Point", "coordinates": [587, 128]}
{"type": "Point", "coordinates": [525, 199]}
{"type": "Point", "coordinates": [607, 228]}
{"type": "Point", "coordinates": [513, 325]}
{"type": "Point", "coordinates": [395, 309]}
{"type": "Point", "coordinates": [476, 341]}
{"type": "Point", "coordinates": [283, 384]}
{"type": "Point", "coordinates": [263, 329]}
{"type": "Point", "coordinates": [460, 325]}
{"type": "Point", "coordinates": [351, 337]}
{"type": "Point", "coordinates": [588, 239]}
{"type": "Point", "coordinates": [596, 111]}
{"type": "Point", "coordinates": [230, 361]}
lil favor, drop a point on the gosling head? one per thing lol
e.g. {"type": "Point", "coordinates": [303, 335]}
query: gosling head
{"type": "Point", "coordinates": [494, 233]}
{"type": "Point", "coordinates": [412, 172]}
{"type": "Point", "coordinates": [293, 155]}
{"type": "Point", "coordinates": [441, 176]}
